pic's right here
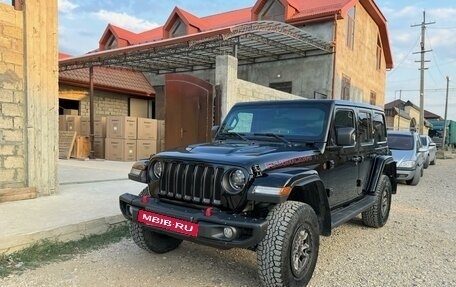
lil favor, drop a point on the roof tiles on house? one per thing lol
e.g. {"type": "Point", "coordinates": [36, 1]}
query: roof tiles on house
{"type": "Point", "coordinates": [306, 11]}
{"type": "Point", "coordinates": [109, 79]}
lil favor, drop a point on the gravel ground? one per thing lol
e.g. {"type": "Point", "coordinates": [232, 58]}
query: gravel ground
{"type": "Point", "coordinates": [417, 247]}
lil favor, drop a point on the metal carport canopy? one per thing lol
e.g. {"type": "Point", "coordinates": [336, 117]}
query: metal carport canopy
{"type": "Point", "coordinates": [252, 42]}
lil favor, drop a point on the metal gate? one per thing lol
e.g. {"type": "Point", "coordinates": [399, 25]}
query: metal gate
{"type": "Point", "coordinates": [189, 110]}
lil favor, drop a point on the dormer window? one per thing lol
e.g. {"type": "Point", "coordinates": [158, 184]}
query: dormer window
{"type": "Point", "coordinates": [273, 10]}
{"type": "Point", "coordinates": [111, 43]}
{"type": "Point", "coordinates": [178, 29]}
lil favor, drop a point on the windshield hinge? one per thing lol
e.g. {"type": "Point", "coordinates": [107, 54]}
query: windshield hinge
{"type": "Point", "coordinates": [257, 170]}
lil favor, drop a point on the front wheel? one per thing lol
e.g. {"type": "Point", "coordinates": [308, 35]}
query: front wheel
{"type": "Point", "coordinates": [149, 240]}
{"type": "Point", "coordinates": [416, 178]}
{"type": "Point", "coordinates": [377, 215]}
{"type": "Point", "coordinates": [288, 253]}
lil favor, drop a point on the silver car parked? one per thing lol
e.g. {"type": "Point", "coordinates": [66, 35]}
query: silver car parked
{"type": "Point", "coordinates": [431, 147]}
{"type": "Point", "coordinates": [408, 152]}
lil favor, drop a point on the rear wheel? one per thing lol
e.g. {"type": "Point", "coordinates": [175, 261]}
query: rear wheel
{"type": "Point", "coordinates": [149, 240]}
{"type": "Point", "coordinates": [426, 162]}
{"type": "Point", "coordinates": [288, 253]}
{"type": "Point", "coordinates": [378, 214]}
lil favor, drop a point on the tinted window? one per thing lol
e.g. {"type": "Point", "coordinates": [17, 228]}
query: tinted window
{"type": "Point", "coordinates": [423, 141]}
{"type": "Point", "coordinates": [342, 119]}
{"type": "Point", "coordinates": [400, 142]}
{"type": "Point", "coordinates": [365, 127]}
{"type": "Point", "coordinates": [379, 127]}
{"type": "Point", "coordinates": [292, 121]}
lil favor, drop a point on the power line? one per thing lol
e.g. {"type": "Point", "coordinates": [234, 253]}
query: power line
{"type": "Point", "coordinates": [435, 58]}
{"type": "Point", "coordinates": [405, 58]}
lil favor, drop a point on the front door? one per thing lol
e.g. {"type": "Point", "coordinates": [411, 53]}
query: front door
{"type": "Point", "coordinates": [189, 110]}
{"type": "Point", "coordinates": [341, 174]}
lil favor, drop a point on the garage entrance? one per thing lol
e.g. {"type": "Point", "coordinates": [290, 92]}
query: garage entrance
{"type": "Point", "coordinates": [189, 110]}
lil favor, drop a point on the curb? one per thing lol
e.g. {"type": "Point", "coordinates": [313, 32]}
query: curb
{"type": "Point", "coordinates": [64, 233]}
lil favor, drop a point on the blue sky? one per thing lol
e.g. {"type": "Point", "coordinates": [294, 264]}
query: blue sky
{"type": "Point", "coordinates": [82, 22]}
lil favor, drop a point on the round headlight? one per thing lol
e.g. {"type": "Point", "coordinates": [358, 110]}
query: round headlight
{"type": "Point", "coordinates": [157, 169]}
{"type": "Point", "coordinates": [237, 179]}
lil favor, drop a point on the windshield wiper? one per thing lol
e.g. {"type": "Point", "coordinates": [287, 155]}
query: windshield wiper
{"type": "Point", "coordinates": [230, 134]}
{"type": "Point", "coordinates": [281, 138]}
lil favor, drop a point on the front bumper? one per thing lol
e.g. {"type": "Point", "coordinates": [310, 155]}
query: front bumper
{"type": "Point", "coordinates": [211, 224]}
{"type": "Point", "coordinates": [405, 174]}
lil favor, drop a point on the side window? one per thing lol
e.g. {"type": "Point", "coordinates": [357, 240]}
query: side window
{"type": "Point", "coordinates": [342, 119]}
{"type": "Point", "coordinates": [365, 128]}
{"type": "Point", "coordinates": [379, 127]}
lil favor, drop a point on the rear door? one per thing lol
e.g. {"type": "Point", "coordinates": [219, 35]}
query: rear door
{"type": "Point", "coordinates": [366, 148]}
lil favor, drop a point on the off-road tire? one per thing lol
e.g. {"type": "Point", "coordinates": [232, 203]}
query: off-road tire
{"type": "Point", "coordinates": [292, 230]}
{"type": "Point", "coordinates": [416, 178]}
{"type": "Point", "coordinates": [377, 215]}
{"type": "Point", "coordinates": [149, 240]}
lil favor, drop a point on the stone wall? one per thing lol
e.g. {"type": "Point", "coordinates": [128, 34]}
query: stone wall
{"type": "Point", "coordinates": [12, 99]}
{"type": "Point", "coordinates": [105, 103]}
{"type": "Point", "coordinates": [235, 90]}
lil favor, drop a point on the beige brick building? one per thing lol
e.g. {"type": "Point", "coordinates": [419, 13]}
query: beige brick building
{"type": "Point", "coordinates": [28, 99]}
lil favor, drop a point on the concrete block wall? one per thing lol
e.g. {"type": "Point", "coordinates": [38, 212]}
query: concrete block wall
{"type": "Point", "coordinates": [106, 104]}
{"type": "Point", "coordinates": [12, 99]}
{"type": "Point", "coordinates": [235, 90]}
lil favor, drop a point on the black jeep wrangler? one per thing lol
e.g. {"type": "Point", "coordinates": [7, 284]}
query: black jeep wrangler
{"type": "Point", "coordinates": [277, 175]}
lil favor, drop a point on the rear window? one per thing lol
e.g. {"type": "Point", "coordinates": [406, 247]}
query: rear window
{"type": "Point", "coordinates": [400, 142]}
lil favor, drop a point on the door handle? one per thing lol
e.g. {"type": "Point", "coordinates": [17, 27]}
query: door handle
{"type": "Point", "coordinates": [357, 159]}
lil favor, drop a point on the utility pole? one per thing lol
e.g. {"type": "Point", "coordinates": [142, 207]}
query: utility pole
{"type": "Point", "coordinates": [399, 116]}
{"type": "Point", "coordinates": [423, 26]}
{"type": "Point", "coordinates": [446, 110]}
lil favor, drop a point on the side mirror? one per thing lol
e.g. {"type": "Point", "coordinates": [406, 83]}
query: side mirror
{"type": "Point", "coordinates": [423, 149]}
{"type": "Point", "coordinates": [432, 144]}
{"type": "Point", "coordinates": [346, 136]}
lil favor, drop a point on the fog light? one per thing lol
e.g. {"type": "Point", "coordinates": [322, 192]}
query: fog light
{"type": "Point", "coordinates": [229, 232]}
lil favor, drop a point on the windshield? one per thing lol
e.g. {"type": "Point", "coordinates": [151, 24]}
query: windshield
{"type": "Point", "coordinates": [423, 140]}
{"type": "Point", "coordinates": [300, 122]}
{"type": "Point", "coordinates": [400, 142]}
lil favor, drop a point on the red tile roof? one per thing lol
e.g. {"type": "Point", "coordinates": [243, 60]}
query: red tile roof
{"type": "Point", "coordinates": [304, 11]}
{"type": "Point", "coordinates": [64, 56]}
{"type": "Point", "coordinates": [228, 18]}
{"type": "Point", "coordinates": [109, 79]}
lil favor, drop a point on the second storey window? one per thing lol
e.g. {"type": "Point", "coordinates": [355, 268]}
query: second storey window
{"type": "Point", "coordinates": [373, 98]}
{"type": "Point", "coordinates": [379, 54]}
{"type": "Point", "coordinates": [345, 90]}
{"type": "Point", "coordinates": [111, 43]}
{"type": "Point", "coordinates": [283, 86]}
{"type": "Point", "coordinates": [350, 33]}
{"type": "Point", "coordinates": [272, 10]}
{"type": "Point", "coordinates": [178, 29]}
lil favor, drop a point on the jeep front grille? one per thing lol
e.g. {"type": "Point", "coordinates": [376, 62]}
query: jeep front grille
{"type": "Point", "coordinates": [200, 184]}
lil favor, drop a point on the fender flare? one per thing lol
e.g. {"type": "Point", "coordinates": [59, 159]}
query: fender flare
{"type": "Point", "coordinates": [382, 165]}
{"type": "Point", "coordinates": [296, 180]}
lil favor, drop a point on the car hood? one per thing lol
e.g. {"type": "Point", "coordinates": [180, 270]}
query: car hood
{"type": "Point", "coordinates": [403, 155]}
{"type": "Point", "coordinates": [265, 156]}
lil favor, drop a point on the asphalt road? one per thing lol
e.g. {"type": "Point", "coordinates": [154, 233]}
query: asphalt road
{"type": "Point", "coordinates": [417, 247]}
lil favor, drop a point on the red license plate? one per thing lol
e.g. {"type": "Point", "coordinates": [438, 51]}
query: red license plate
{"type": "Point", "coordinates": [169, 223]}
